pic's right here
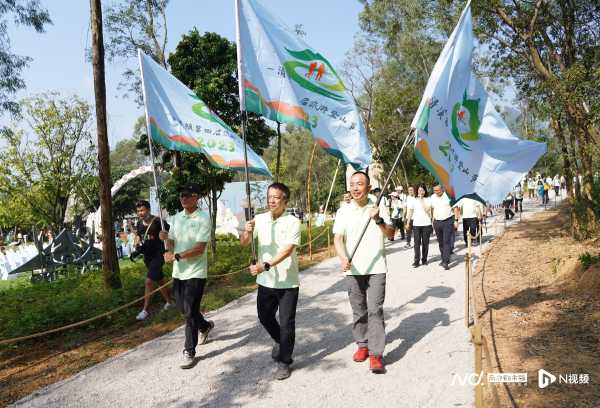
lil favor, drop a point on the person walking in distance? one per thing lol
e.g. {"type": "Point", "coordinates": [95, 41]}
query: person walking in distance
{"type": "Point", "coordinates": [518, 194]}
{"type": "Point", "coordinates": [186, 249]}
{"type": "Point", "coordinates": [276, 272]}
{"type": "Point", "coordinates": [147, 243]}
{"type": "Point", "coordinates": [443, 223]}
{"type": "Point", "coordinates": [408, 223]}
{"type": "Point", "coordinates": [397, 213]}
{"type": "Point", "coordinates": [471, 212]}
{"type": "Point", "coordinates": [366, 274]}
{"type": "Point", "coordinates": [419, 214]}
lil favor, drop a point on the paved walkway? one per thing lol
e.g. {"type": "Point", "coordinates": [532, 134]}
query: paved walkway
{"type": "Point", "coordinates": [427, 343]}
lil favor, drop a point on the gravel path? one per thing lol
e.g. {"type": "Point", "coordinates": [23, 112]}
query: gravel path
{"type": "Point", "coordinates": [427, 343]}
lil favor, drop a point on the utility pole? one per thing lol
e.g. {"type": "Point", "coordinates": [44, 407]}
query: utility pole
{"type": "Point", "coordinates": [110, 264]}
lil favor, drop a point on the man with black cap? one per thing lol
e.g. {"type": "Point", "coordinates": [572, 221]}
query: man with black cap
{"type": "Point", "coordinates": [186, 249]}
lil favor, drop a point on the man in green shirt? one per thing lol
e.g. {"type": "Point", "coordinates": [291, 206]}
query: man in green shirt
{"type": "Point", "coordinates": [365, 275]}
{"type": "Point", "coordinates": [276, 273]}
{"type": "Point", "coordinates": [186, 249]}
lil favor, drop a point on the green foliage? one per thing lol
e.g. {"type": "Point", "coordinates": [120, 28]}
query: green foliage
{"type": "Point", "coordinates": [588, 260]}
{"type": "Point", "coordinates": [133, 24]}
{"type": "Point", "coordinates": [31, 308]}
{"type": "Point", "coordinates": [24, 13]}
{"type": "Point", "coordinates": [54, 160]}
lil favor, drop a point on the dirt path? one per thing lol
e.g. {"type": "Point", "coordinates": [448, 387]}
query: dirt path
{"type": "Point", "coordinates": [540, 312]}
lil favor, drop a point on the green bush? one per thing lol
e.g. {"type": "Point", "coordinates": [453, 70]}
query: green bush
{"type": "Point", "coordinates": [588, 260]}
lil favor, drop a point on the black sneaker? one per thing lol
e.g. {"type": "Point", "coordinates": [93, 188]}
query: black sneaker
{"type": "Point", "coordinates": [275, 352]}
{"type": "Point", "coordinates": [283, 371]}
{"type": "Point", "coordinates": [415, 265]}
{"type": "Point", "coordinates": [204, 334]}
{"type": "Point", "coordinates": [188, 360]}
{"type": "Point", "coordinates": [446, 266]}
{"type": "Point", "coordinates": [424, 262]}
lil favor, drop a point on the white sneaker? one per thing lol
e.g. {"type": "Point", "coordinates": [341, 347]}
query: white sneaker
{"type": "Point", "coordinates": [187, 360]}
{"type": "Point", "coordinates": [167, 306]}
{"type": "Point", "coordinates": [142, 315]}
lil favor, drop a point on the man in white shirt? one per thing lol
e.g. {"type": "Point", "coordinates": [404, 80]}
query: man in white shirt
{"type": "Point", "coordinates": [471, 212]}
{"type": "Point", "coordinates": [278, 235]}
{"type": "Point", "coordinates": [443, 223]}
{"type": "Point", "coordinates": [397, 213]}
{"type": "Point", "coordinates": [365, 275]}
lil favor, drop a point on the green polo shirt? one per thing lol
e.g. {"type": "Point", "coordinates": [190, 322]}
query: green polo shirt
{"type": "Point", "coordinates": [370, 255]}
{"type": "Point", "coordinates": [187, 230]}
{"type": "Point", "coordinates": [273, 237]}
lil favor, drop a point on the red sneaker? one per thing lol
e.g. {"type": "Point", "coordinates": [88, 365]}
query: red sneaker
{"type": "Point", "coordinates": [361, 354]}
{"type": "Point", "coordinates": [376, 364]}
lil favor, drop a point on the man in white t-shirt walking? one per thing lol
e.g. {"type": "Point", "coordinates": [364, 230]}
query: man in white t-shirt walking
{"type": "Point", "coordinates": [276, 272]}
{"type": "Point", "coordinates": [471, 212]}
{"type": "Point", "coordinates": [366, 274]}
{"type": "Point", "coordinates": [443, 223]}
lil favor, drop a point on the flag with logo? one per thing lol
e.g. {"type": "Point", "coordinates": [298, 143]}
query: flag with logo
{"type": "Point", "coordinates": [460, 137]}
{"type": "Point", "coordinates": [179, 120]}
{"type": "Point", "coordinates": [286, 80]}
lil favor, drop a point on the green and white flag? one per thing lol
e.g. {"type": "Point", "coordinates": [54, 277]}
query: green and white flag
{"type": "Point", "coordinates": [179, 120]}
{"type": "Point", "coordinates": [286, 80]}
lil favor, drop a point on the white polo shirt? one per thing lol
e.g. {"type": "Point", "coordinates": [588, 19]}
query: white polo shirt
{"type": "Point", "coordinates": [370, 255]}
{"type": "Point", "coordinates": [470, 208]}
{"type": "Point", "coordinates": [420, 211]}
{"type": "Point", "coordinates": [441, 207]}
{"type": "Point", "coordinates": [273, 236]}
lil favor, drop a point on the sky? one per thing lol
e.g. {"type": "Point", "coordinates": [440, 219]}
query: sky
{"type": "Point", "coordinates": [59, 60]}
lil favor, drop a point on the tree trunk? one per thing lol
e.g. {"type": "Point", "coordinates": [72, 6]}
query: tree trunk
{"type": "Point", "coordinates": [558, 131]}
{"type": "Point", "coordinates": [110, 264]}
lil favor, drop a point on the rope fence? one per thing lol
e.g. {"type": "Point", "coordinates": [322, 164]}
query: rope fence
{"type": "Point", "coordinates": [129, 304]}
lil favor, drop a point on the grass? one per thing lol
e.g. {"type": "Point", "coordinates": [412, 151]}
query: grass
{"type": "Point", "coordinates": [588, 260]}
{"type": "Point", "coordinates": [27, 308]}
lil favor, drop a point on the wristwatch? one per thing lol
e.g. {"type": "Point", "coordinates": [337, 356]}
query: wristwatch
{"type": "Point", "coordinates": [267, 266]}
{"type": "Point", "coordinates": [177, 257]}
{"type": "Point", "coordinates": [380, 221]}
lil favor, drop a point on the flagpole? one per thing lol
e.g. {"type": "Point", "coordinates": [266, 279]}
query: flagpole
{"type": "Point", "coordinates": [148, 130]}
{"type": "Point", "coordinates": [337, 167]}
{"type": "Point", "coordinates": [387, 181]}
{"type": "Point", "coordinates": [243, 113]}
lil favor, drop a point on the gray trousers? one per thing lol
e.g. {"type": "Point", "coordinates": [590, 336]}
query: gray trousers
{"type": "Point", "coordinates": [366, 294]}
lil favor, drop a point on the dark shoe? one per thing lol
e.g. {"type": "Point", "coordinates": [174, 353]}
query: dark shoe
{"type": "Point", "coordinates": [204, 334]}
{"type": "Point", "coordinates": [361, 354]}
{"type": "Point", "coordinates": [415, 265]}
{"type": "Point", "coordinates": [275, 352]}
{"type": "Point", "coordinates": [188, 360]}
{"type": "Point", "coordinates": [283, 371]}
{"type": "Point", "coordinates": [446, 266]}
{"type": "Point", "coordinates": [376, 364]}
{"type": "Point", "coordinates": [424, 262]}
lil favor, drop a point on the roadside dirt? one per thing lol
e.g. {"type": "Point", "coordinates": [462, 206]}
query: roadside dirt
{"type": "Point", "coordinates": [540, 310]}
{"type": "Point", "coordinates": [35, 364]}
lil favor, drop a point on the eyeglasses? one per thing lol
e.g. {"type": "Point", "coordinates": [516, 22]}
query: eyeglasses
{"type": "Point", "coordinates": [187, 195]}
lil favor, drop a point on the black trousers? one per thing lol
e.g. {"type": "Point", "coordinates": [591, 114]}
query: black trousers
{"type": "Point", "coordinates": [443, 231]}
{"type": "Point", "coordinates": [398, 223]}
{"type": "Point", "coordinates": [188, 295]}
{"type": "Point", "coordinates": [268, 300]}
{"type": "Point", "coordinates": [422, 235]}
{"type": "Point", "coordinates": [470, 224]}
{"type": "Point", "coordinates": [519, 205]}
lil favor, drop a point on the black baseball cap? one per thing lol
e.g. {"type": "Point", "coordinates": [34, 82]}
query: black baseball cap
{"type": "Point", "coordinates": [189, 188]}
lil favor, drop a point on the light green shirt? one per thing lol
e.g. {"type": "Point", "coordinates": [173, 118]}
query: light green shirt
{"type": "Point", "coordinates": [187, 230]}
{"type": "Point", "coordinates": [370, 255]}
{"type": "Point", "coordinates": [273, 237]}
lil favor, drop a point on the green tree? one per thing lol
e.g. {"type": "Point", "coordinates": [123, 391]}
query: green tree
{"type": "Point", "coordinates": [134, 24]}
{"type": "Point", "coordinates": [23, 13]}
{"type": "Point", "coordinates": [50, 160]}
